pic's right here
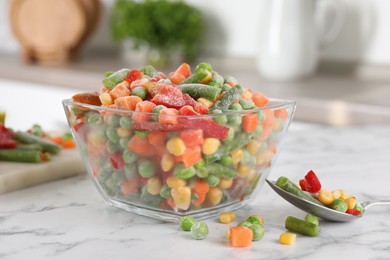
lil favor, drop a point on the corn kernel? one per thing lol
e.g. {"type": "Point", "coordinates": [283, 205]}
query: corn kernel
{"type": "Point", "coordinates": [243, 170]}
{"type": "Point", "coordinates": [176, 146]}
{"type": "Point", "coordinates": [225, 183]}
{"type": "Point", "coordinates": [227, 217]}
{"type": "Point", "coordinates": [287, 238]}
{"type": "Point", "coordinates": [247, 95]}
{"type": "Point", "coordinates": [207, 103]}
{"type": "Point", "coordinates": [325, 197]}
{"type": "Point", "coordinates": [251, 176]}
{"type": "Point", "coordinates": [206, 79]}
{"type": "Point", "coordinates": [153, 186]}
{"type": "Point", "coordinates": [253, 146]}
{"type": "Point", "coordinates": [123, 132]}
{"type": "Point", "coordinates": [214, 195]}
{"type": "Point", "coordinates": [228, 235]}
{"type": "Point", "coordinates": [106, 99]}
{"type": "Point", "coordinates": [210, 145]}
{"type": "Point", "coordinates": [351, 202]}
{"type": "Point", "coordinates": [344, 195]}
{"type": "Point", "coordinates": [174, 182]}
{"type": "Point", "coordinates": [237, 156]}
{"type": "Point", "coordinates": [167, 162]}
{"type": "Point", "coordinates": [336, 194]}
{"type": "Point", "coordinates": [182, 197]}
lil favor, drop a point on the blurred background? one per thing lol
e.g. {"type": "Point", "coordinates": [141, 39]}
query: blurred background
{"type": "Point", "coordinates": [332, 56]}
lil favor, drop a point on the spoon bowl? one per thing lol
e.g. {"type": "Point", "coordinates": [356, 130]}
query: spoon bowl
{"type": "Point", "coordinates": [319, 210]}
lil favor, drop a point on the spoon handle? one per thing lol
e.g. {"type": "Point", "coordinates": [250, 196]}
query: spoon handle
{"type": "Point", "coordinates": [368, 204]}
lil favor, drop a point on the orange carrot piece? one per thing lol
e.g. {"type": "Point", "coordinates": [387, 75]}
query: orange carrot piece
{"type": "Point", "coordinates": [168, 116]}
{"type": "Point", "coordinates": [129, 186]}
{"type": "Point", "coordinates": [127, 103]}
{"type": "Point", "coordinates": [57, 139]}
{"type": "Point", "coordinates": [176, 78]}
{"type": "Point", "coordinates": [267, 124]}
{"type": "Point", "coordinates": [68, 144]}
{"type": "Point", "coordinates": [281, 113]}
{"type": "Point", "coordinates": [140, 146]}
{"type": "Point", "coordinates": [190, 156]}
{"type": "Point", "coordinates": [184, 69]}
{"type": "Point", "coordinates": [201, 186]}
{"type": "Point", "coordinates": [172, 203]}
{"type": "Point", "coordinates": [241, 236]}
{"type": "Point", "coordinates": [192, 137]}
{"type": "Point", "coordinates": [260, 99]}
{"type": "Point", "coordinates": [157, 138]}
{"type": "Point", "coordinates": [200, 200]}
{"type": "Point", "coordinates": [120, 90]}
{"type": "Point", "coordinates": [143, 106]}
{"type": "Point", "coordinates": [249, 122]}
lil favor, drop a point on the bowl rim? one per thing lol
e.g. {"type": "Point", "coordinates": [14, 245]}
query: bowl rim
{"type": "Point", "coordinates": [280, 103]}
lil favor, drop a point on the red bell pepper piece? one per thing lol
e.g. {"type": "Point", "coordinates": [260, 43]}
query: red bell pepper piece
{"type": "Point", "coordinates": [117, 161]}
{"type": "Point", "coordinates": [7, 143]}
{"type": "Point", "coordinates": [5, 132]}
{"type": "Point", "coordinates": [156, 126]}
{"type": "Point", "coordinates": [209, 127]}
{"type": "Point", "coordinates": [198, 107]}
{"type": "Point", "coordinates": [133, 75]}
{"type": "Point", "coordinates": [304, 185]}
{"type": "Point", "coordinates": [313, 183]}
{"type": "Point", "coordinates": [354, 212]}
{"type": "Point", "coordinates": [187, 110]}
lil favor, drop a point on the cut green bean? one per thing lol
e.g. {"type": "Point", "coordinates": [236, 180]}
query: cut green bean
{"type": "Point", "coordinates": [182, 172]}
{"type": "Point", "coordinates": [16, 155]}
{"type": "Point", "coordinates": [302, 227]}
{"type": "Point", "coordinates": [339, 205]}
{"type": "Point", "coordinates": [47, 145]}
{"type": "Point", "coordinates": [115, 78]}
{"type": "Point", "coordinates": [196, 77]}
{"type": "Point", "coordinates": [312, 219]}
{"type": "Point", "coordinates": [222, 171]}
{"type": "Point", "coordinates": [228, 98]}
{"type": "Point", "coordinates": [200, 91]}
{"type": "Point", "coordinates": [31, 147]}
{"type": "Point", "coordinates": [149, 70]}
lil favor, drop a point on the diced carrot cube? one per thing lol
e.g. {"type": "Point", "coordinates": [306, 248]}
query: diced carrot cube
{"type": "Point", "coordinates": [141, 146]}
{"type": "Point", "coordinates": [168, 116]}
{"type": "Point", "coordinates": [157, 138]}
{"type": "Point", "coordinates": [259, 99]}
{"type": "Point", "coordinates": [240, 236]}
{"type": "Point", "coordinates": [127, 103]}
{"type": "Point", "coordinates": [120, 90]}
{"type": "Point", "coordinates": [192, 137]}
{"type": "Point", "coordinates": [143, 106]}
{"type": "Point", "coordinates": [249, 122]}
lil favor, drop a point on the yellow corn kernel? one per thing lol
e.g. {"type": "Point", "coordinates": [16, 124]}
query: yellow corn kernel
{"type": "Point", "coordinates": [253, 146]}
{"type": "Point", "coordinates": [227, 217]}
{"type": "Point", "coordinates": [206, 79]}
{"type": "Point", "coordinates": [336, 194]}
{"type": "Point", "coordinates": [210, 145]}
{"type": "Point", "coordinates": [153, 186]}
{"type": "Point", "coordinates": [237, 156]}
{"type": "Point", "coordinates": [228, 235]}
{"type": "Point", "coordinates": [182, 197]}
{"type": "Point", "coordinates": [344, 195]}
{"type": "Point", "coordinates": [207, 103]}
{"type": "Point", "coordinates": [167, 162]}
{"type": "Point", "coordinates": [351, 202]}
{"type": "Point", "coordinates": [251, 176]}
{"type": "Point", "coordinates": [123, 132]}
{"type": "Point", "coordinates": [214, 195]}
{"type": "Point", "coordinates": [247, 95]}
{"type": "Point", "coordinates": [287, 238]}
{"type": "Point", "coordinates": [176, 146]}
{"type": "Point", "coordinates": [174, 182]}
{"type": "Point", "coordinates": [225, 183]}
{"type": "Point", "coordinates": [243, 170]}
{"type": "Point", "coordinates": [325, 197]}
{"type": "Point", "coordinates": [106, 99]}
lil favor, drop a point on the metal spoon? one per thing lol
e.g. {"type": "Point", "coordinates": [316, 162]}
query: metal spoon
{"type": "Point", "coordinates": [322, 211]}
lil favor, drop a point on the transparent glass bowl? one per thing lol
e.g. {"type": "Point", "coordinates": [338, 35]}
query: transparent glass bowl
{"type": "Point", "coordinates": [193, 165]}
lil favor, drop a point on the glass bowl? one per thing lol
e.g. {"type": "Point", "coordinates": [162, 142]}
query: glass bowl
{"type": "Point", "coordinates": [188, 165]}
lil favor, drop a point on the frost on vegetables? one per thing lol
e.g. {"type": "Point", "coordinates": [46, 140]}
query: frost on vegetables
{"type": "Point", "coordinates": [183, 141]}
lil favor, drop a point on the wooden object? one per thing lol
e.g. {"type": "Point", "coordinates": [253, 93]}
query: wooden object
{"type": "Point", "coordinates": [15, 176]}
{"type": "Point", "coordinates": [53, 30]}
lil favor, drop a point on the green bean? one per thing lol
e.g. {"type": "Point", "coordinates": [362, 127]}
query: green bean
{"type": "Point", "coordinates": [201, 164]}
{"type": "Point", "coordinates": [229, 79]}
{"type": "Point", "coordinates": [339, 205]}
{"type": "Point", "coordinates": [200, 91]}
{"type": "Point", "coordinates": [47, 145]}
{"type": "Point", "coordinates": [222, 120]}
{"type": "Point", "coordinates": [225, 87]}
{"type": "Point", "coordinates": [140, 92]}
{"type": "Point", "coordinates": [203, 65]}
{"type": "Point", "coordinates": [182, 172]}
{"type": "Point", "coordinates": [312, 219]}
{"type": "Point", "coordinates": [37, 130]}
{"type": "Point", "coordinates": [147, 168]}
{"type": "Point", "coordinates": [115, 78]}
{"type": "Point", "coordinates": [222, 171]}
{"type": "Point", "coordinates": [228, 98]}
{"type": "Point", "coordinates": [16, 155]}
{"type": "Point", "coordinates": [216, 80]}
{"type": "Point", "coordinates": [196, 77]}
{"type": "Point", "coordinates": [202, 173]}
{"type": "Point", "coordinates": [302, 227]}
{"type": "Point", "coordinates": [31, 147]}
{"type": "Point", "coordinates": [285, 184]}
{"type": "Point", "coordinates": [199, 230]}
{"type": "Point", "coordinates": [226, 160]}
{"type": "Point", "coordinates": [186, 223]}
{"type": "Point", "coordinates": [149, 70]}
{"type": "Point", "coordinates": [212, 180]}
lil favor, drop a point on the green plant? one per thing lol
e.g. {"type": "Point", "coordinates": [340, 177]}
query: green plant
{"type": "Point", "coordinates": [163, 24]}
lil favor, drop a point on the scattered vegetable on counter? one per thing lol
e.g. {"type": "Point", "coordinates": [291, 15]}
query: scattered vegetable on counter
{"type": "Point", "coordinates": [33, 146]}
{"type": "Point", "coordinates": [310, 189]}
{"type": "Point", "coordinates": [199, 230]}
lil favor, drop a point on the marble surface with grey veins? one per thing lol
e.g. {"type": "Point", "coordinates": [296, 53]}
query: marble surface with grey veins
{"type": "Point", "coordinates": [67, 219]}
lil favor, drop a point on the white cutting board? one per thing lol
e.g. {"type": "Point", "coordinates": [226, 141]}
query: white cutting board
{"type": "Point", "coordinates": [15, 175]}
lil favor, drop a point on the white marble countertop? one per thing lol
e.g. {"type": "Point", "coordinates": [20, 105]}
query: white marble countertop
{"type": "Point", "coordinates": [68, 219]}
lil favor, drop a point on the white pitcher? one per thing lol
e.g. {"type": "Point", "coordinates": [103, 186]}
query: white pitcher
{"type": "Point", "coordinates": [290, 40]}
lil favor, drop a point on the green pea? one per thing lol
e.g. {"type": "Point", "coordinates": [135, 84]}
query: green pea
{"type": "Point", "coordinates": [112, 147]}
{"type": "Point", "coordinates": [186, 223]}
{"type": "Point", "coordinates": [199, 230]}
{"type": "Point", "coordinates": [230, 136]}
{"type": "Point", "coordinates": [217, 79]}
{"type": "Point", "coordinates": [140, 92]}
{"type": "Point", "coordinates": [95, 119]}
{"type": "Point", "coordinates": [156, 111]}
{"type": "Point", "coordinates": [246, 104]}
{"type": "Point", "coordinates": [200, 165]}
{"type": "Point", "coordinates": [226, 160]}
{"type": "Point", "coordinates": [236, 107]}
{"type": "Point", "coordinates": [229, 79]}
{"type": "Point", "coordinates": [212, 180]}
{"type": "Point", "coordinates": [123, 142]}
{"type": "Point", "coordinates": [261, 115]}
{"type": "Point", "coordinates": [182, 172]}
{"type": "Point", "coordinates": [130, 170]}
{"type": "Point", "coordinates": [219, 119]}
{"type": "Point", "coordinates": [112, 134]}
{"type": "Point", "coordinates": [147, 168]}
{"type": "Point", "coordinates": [113, 119]}
{"type": "Point", "coordinates": [234, 119]}
{"type": "Point", "coordinates": [245, 224]}
{"type": "Point", "coordinates": [258, 232]}
{"type": "Point", "coordinates": [165, 192]}
{"type": "Point", "coordinates": [129, 156]}
{"type": "Point", "coordinates": [254, 220]}
{"type": "Point", "coordinates": [359, 207]}
{"type": "Point", "coordinates": [203, 65]}
{"type": "Point", "coordinates": [125, 122]}
{"type": "Point", "coordinates": [141, 134]}
{"type": "Point", "coordinates": [108, 73]}
{"type": "Point", "coordinates": [339, 205]}
{"type": "Point", "coordinates": [312, 219]}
